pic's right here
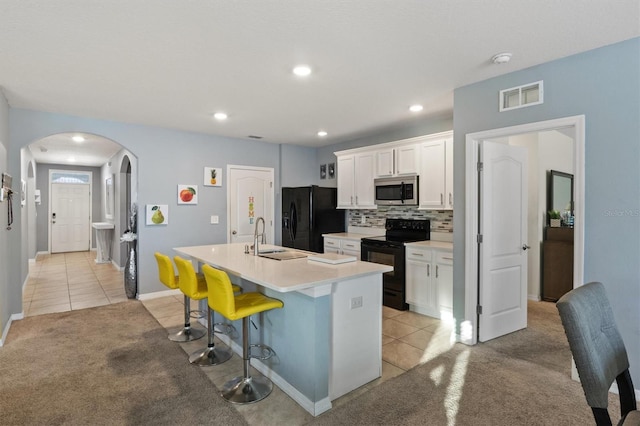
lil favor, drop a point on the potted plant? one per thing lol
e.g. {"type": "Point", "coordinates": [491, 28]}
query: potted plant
{"type": "Point", "coordinates": [554, 218]}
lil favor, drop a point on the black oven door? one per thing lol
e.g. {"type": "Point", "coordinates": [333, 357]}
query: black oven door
{"type": "Point", "coordinates": [386, 254]}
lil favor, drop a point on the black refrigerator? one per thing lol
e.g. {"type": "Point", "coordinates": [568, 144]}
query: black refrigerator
{"type": "Point", "coordinates": [307, 213]}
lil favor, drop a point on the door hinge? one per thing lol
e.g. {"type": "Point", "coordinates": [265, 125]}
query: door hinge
{"type": "Point", "coordinates": [480, 166]}
{"type": "Point", "coordinates": [479, 239]}
{"type": "Point", "coordinates": [270, 184]}
{"type": "Point", "coordinates": [479, 309]}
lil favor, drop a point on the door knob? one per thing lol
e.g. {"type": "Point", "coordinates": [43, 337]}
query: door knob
{"type": "Point", "coordinates": [525, 247]}
{"type": "Point", "coordinates": [234, 232]}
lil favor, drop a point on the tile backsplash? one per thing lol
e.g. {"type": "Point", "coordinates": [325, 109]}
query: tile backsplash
{"type": "Point", "coordinates": [441, 220]}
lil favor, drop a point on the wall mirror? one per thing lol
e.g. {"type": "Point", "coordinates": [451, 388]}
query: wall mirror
{"type": "Point", "coordinates": [560, 192]}
{"type": "Point", "coordinates": [109, 197]}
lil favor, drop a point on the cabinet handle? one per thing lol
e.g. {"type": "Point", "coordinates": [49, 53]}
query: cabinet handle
{"type": "Point", "coordinates": [417, 254]}
{"type": "Point", "coordinates": [352, 200]}
{"type": "Point", "coordinates": [436, 271]}
{"type": "Point", "coordinates": [441, 198]}
{"type": "Point", "coordinates": [451, 199]}
{"type": "Point", "coordinates": [447, 258]}
{"type": "Point", "coordinates": [428, 270]}
{"type": "Point", "coordinates": [356, 199]}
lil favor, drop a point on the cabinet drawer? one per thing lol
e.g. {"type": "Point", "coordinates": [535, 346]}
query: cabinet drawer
{"type": "Point", "coordinates": [444, 257]}
{"type": "Point", "coordinates": [350, 245]}
{"type": "Point", "coordinates": [413, 253]}
{"type": "Point", "coordinates": [331, 242]}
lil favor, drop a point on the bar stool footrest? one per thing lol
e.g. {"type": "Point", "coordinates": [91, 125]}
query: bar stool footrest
{"type": "Point", "coordinates": [196, 314]}
{"type": "Point", "coordinates": [227, 329]}
{"type": "Point", "coordinates": [266, 352]}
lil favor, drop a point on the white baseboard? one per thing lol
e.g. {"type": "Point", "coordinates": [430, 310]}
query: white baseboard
{"type": "Point", "coordinates": [313, 408]}
{"type": "Point", "coordinates": [159, 294]}
{"type": "Point", "coordinates": [5, 332]}
{"type": "Point", "coordinates": [534, 297]}
{"type": "Point", "coordinates": [115, 265]}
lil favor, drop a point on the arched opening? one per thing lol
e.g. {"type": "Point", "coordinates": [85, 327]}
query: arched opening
{"type": "Point", "coordinates": [112, 170]}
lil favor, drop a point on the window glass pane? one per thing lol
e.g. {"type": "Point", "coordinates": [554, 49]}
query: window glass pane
{"type": "Point", "coordinates": [69, 177]}
{"type": "Point", "coordinates": [511, 99]}
{"type": "Point", "coordinates": [530, 94]}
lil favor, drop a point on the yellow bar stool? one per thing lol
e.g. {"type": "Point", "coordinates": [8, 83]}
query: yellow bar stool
{"type": "Point", "coordinates": [243, 389]}
{"type": "Point", "coordinates": [197, 289]}
{"type": "Point", "coordinates": [167, 276]}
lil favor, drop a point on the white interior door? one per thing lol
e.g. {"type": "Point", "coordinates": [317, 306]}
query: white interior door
{"type": "Point", "coordinates": [250, 195]}
{"type": "Point", "coordinates": [70, 211]}
{"type": "Point", "coordinates": [503, 251]}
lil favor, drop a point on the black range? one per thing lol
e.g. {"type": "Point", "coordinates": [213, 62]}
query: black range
{"type": "Point", "coordinates": [389, 250]}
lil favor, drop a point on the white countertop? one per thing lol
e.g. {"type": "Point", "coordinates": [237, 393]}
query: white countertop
{"type": "Point", "coordinates": [278, 275]}
{"type": "Point", "coordinates": [349, 235]}
{"type": "Point", "coordinates": [442, 245]}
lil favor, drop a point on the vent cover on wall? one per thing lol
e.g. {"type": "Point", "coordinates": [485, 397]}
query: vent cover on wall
{"type": "Point", "coordinates": [521, 96]}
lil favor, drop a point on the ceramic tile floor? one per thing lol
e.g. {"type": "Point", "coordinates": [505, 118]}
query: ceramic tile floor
{"type": "Point", "coordinates": [63, 282]}
{"type": "Point", "coordinates": [68, 281]}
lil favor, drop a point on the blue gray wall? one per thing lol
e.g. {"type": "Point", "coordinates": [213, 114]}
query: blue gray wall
{"type": "Point", "coordinates": [165, 159]}
{"type": "Point", "coordinates": [604, 85]}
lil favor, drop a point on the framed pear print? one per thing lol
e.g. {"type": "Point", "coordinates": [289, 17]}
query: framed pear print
{"type": "Point", "coordinates": [212, 176]}
{"type": "Point", "coordinates": [157, 214]}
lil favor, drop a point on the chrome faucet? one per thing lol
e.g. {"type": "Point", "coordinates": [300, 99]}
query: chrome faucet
{"type": "Point", "coordinates": [256, 249]}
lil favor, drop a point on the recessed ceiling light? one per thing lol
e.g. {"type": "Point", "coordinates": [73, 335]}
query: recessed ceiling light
{"type": "Point", "coordinates": [78, 138]}
{"type": "Point", "coordinates": [415, 108]}
{"type": "Point", "coordinates": [220, 116]}
{"type": "Point", "coordinates": [322, 133]}
{"type": "Point", "coordinates": [71, 160]}
{"type": "Point", "coordinates": [501, 58]}
{"type": "Point", "coordinates": [302, 70]}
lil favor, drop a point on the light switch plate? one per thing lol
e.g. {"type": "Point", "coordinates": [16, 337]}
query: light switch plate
{"type": "Point", "coordinates": [215, 219]}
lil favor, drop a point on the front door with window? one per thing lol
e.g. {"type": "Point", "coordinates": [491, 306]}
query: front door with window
{"type": "Point", "coordinates": [70, 226]}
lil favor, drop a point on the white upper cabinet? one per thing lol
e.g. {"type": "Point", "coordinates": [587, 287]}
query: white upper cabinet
{"type": "Point", "coordinates": [398, 161]}
{"type": "Point", "coordinates": [432, 192]}
{"type": "Point", "coordinates": [355, 181]}
{"type": "Point", "coordinates": [448, 173]}
{"type": "Point", "coordinates": [436, 173]}
{"type": "Point", "coordinates": [430, 157]}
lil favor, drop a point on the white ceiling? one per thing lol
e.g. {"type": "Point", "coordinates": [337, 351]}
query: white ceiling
{"type": "Point", "coordinates": [174, 63]}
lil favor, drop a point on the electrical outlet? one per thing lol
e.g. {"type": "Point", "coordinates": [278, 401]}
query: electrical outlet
{"type": "Point", "coordinates": [363, 220]}
{"type": "Point", "coordinates": [356, 302]}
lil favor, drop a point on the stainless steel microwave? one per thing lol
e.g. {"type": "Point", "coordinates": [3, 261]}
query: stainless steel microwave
{"type": "Point", "coordinates": [397, 191]}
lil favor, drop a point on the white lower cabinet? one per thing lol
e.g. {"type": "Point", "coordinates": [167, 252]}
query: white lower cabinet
{"type": "Point", "coordinates": [429, 281]}
{"type": "Point", "coordinates": [342, 246]}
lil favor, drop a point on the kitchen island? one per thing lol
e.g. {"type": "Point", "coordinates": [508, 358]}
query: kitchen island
{"type": "Point", "coordinates": [328, 335]}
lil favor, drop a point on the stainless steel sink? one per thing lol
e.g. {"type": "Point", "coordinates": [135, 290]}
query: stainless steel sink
{"type": "Point", "coordinates": [282, 255]}
{"type": "Point", "coordinates": [269, 251]}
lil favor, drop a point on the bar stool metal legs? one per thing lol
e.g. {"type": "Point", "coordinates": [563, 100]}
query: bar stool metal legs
{"type": "Point", "coordinates": [187, 334]}
{"type": "Point", "coordinates": [211, 355]}
{"type": "Point", "coordinates": [246, 389]}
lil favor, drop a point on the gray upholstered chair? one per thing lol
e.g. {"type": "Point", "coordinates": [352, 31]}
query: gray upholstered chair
{"type": "Point", "coordinates": [598, 351]}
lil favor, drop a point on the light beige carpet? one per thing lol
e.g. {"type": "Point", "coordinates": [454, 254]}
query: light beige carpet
{"type": "Point", "coordinates": [519, 379]}
{"type": "Point", "coordinates": [111, 365]}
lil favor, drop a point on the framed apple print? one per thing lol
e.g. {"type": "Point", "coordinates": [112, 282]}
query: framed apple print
{"type": "Point", "coordinates": [212, 176]}
{"type": "Point", "coordinates": [157, 214]}
{"type": "Point", "coordinates": [187, 194]}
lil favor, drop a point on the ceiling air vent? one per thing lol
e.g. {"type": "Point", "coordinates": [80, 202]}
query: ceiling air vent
{"type": "Point", "coordinates": [255, 137]}
{"type": "Point", "coordinates": [521, 96]}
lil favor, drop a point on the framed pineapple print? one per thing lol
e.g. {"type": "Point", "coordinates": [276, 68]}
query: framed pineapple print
{"type": "Point", "coordinates": [212, 176]}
